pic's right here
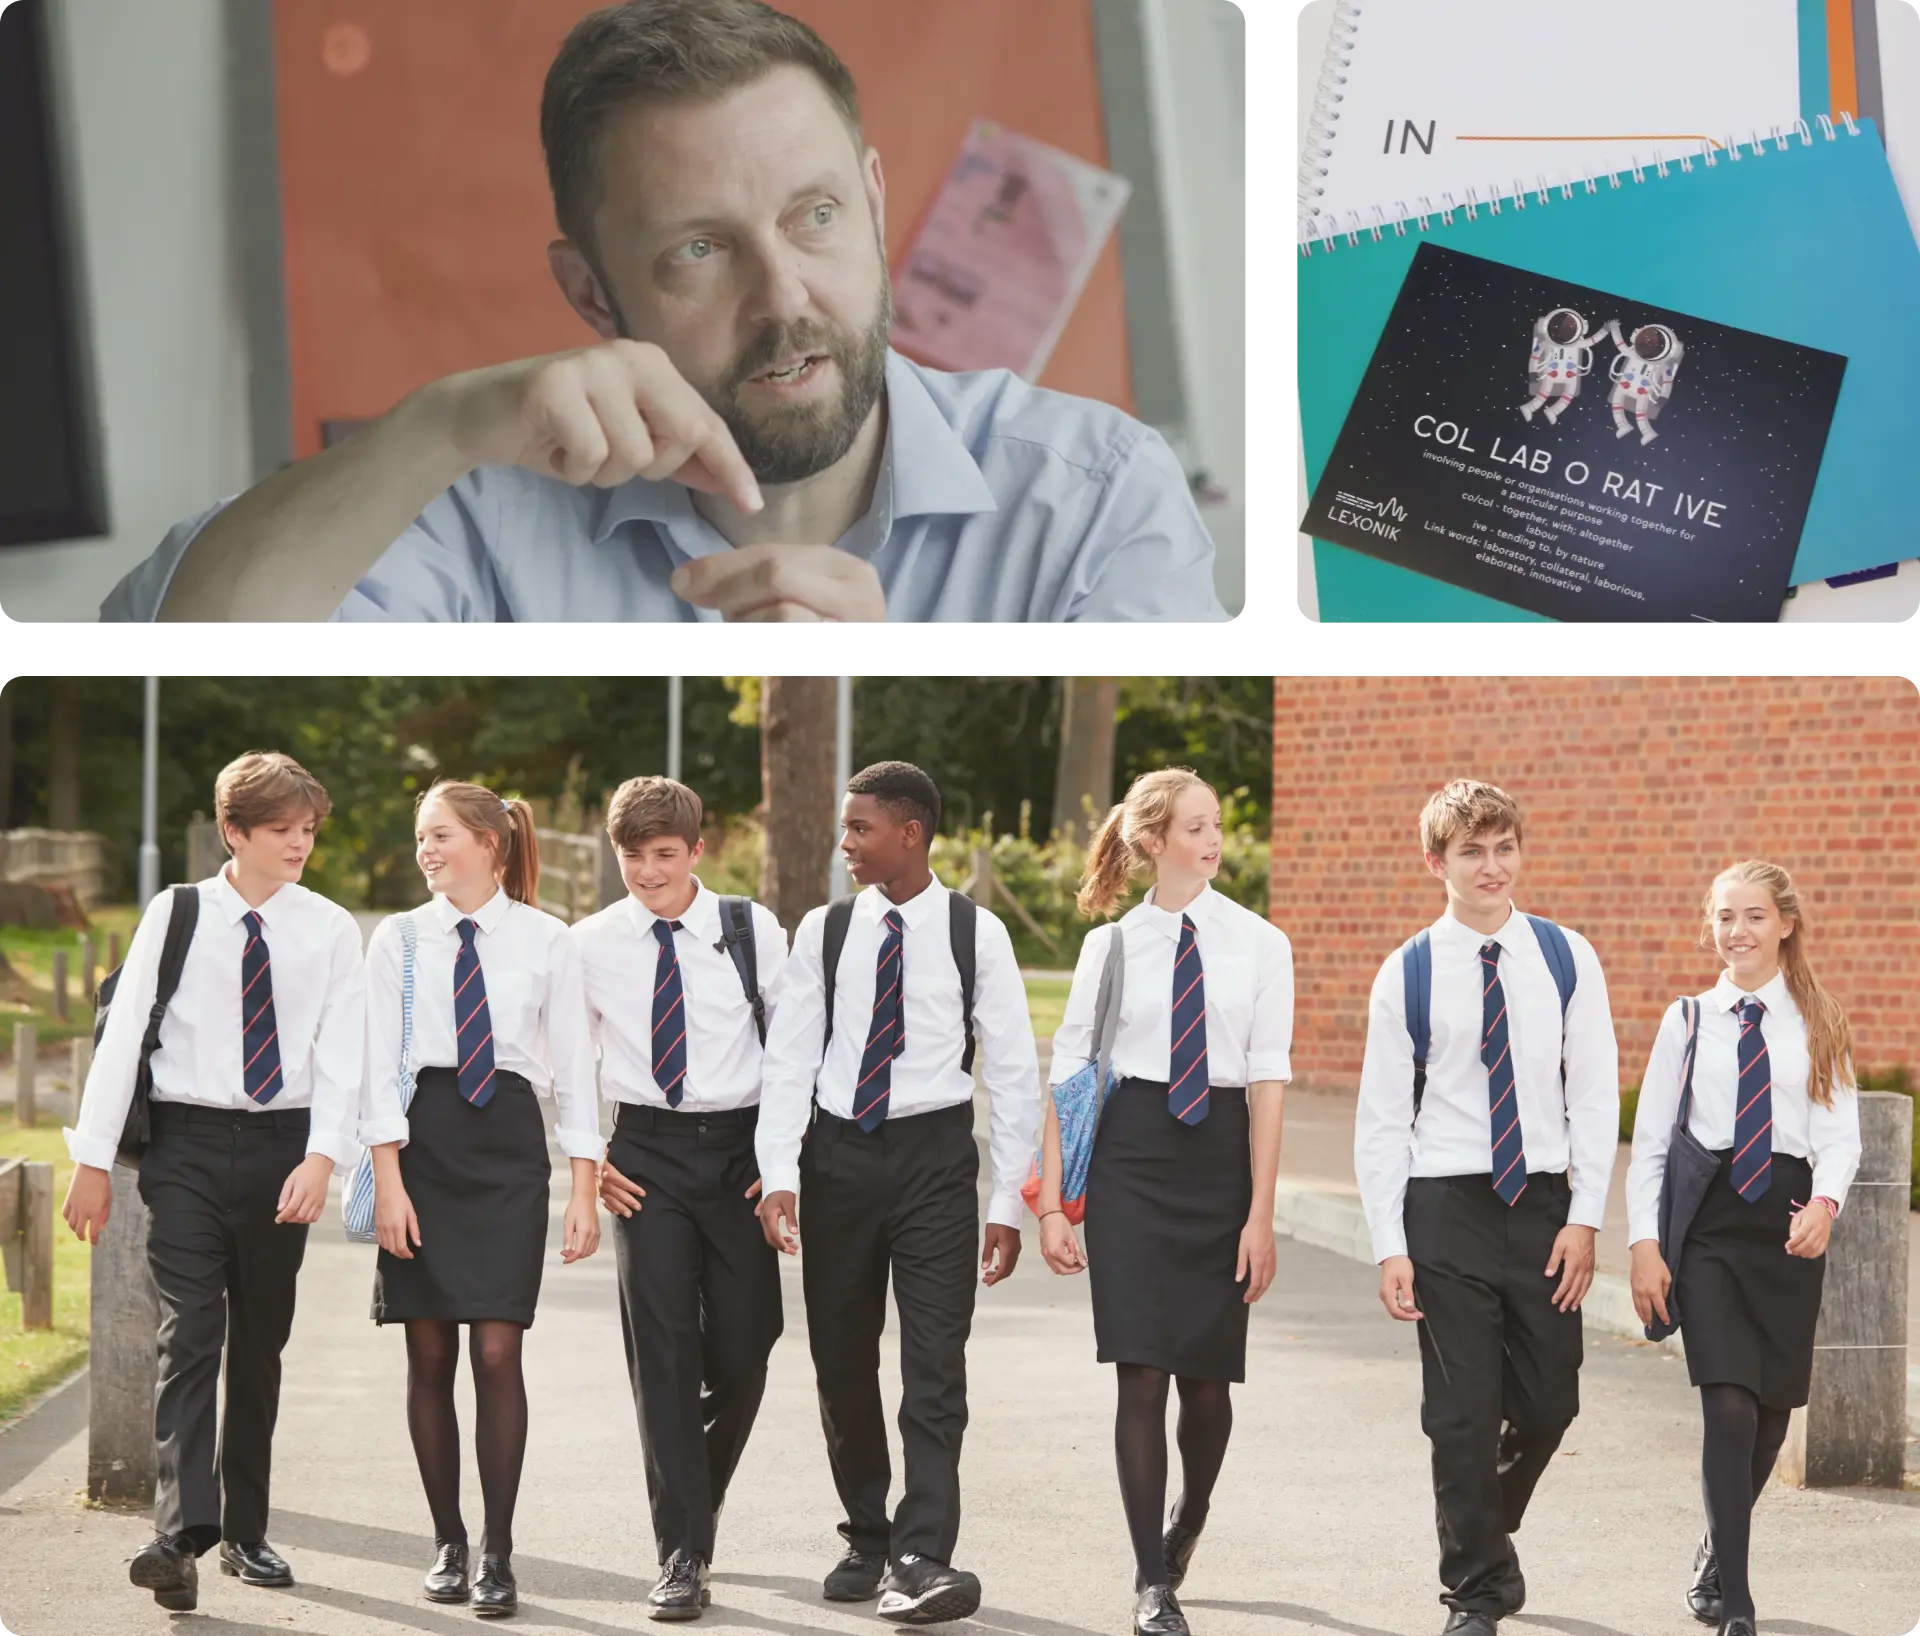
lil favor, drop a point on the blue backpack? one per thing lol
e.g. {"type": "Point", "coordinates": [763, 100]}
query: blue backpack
{"type": "Point", "coordinates": [1416, 972]}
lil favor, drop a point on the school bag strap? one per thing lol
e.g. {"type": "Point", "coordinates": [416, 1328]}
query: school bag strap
{"type": "Point", "coordinates": [1416, 976]}
{"type": "Point", "coordinates": [833, 938]}
{"type": "Point", "coordinates": [356, 1200]}
{"type": "Point", "coordinates": [1690, 1020]}
{"type": "Point", "coordinates": [183, 914]}
{"type": "Point", "coordinates": [962, 925]}
{"type": "Point", "coordinates": [736, 939]}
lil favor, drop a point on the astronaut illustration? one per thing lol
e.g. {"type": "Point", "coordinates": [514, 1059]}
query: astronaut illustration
{"type": "Point", "coordinates": [1643, 375]}
{"type": "Point", "coordinates": [1562, 356]}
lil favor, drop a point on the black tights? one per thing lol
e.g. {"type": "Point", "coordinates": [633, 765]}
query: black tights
{"type": "Point", "coordinates": [1140, 1451]}
{"type": "Point", "coordinates": [500, 1407]}
{"type": "Point", "coordinates": [1742, 1439]}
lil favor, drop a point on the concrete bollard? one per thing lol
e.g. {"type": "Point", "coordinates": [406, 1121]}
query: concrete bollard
{"type": "Point", "coordinates": [62, 1001]}
{"type": "Point", "coordinates": [77, 1078]}
{"type": "Point", "coordinates": [89, 971]}
{"type": "Point", "coordinates": [121, 1376]}
{"type": "Point", "coordinates": [25, 1066]}
{"type": "Point", "coordinates": [1853, 1431]}
{"type": "Point", "coordinates": [36, 1292]}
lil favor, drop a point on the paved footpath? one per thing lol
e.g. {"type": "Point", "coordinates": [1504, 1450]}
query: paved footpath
{"type": "Point", "coordinates": [1323, 1520]}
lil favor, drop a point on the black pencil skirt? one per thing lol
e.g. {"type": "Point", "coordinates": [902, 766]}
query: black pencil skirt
{"type": "Point", "coordinates": [1165, 1206]}
{"type": "Point", "coordinates": [478, 1179]}
{"type": "Point", "coordinates": [1748, 1309]}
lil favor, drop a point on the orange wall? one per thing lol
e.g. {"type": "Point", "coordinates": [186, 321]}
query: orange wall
{"type": "Point", "coordinates": [415, 203]}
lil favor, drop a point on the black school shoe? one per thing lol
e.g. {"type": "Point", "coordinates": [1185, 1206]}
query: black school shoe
{"type": "Point", "coordinates": [167, 1565]}
{"type": "Point", "coordinates": [682, 1591]}
{"type": "Point", "coordinates": [921, 1591]}
{"type": "Point", "coordinates": [494, 1595]}
{"type": "Point", "coordinates": [255, 1564]}
{"type": "Point", "coordinates": [1177, 1545]}
{"type": "Point", "coordinates": [1463, 1622]}
{"type": "Point", "coordinates": [446, 1580]}
{"type": "Point", "coordinates": [1738, 1626]}
{"type": "Point", "coordinates": [1156, 1613]}
{"type": "Point", "coordinates": [1703, 1595]}
{"type": "Point", "coordinates": [855, 1577]}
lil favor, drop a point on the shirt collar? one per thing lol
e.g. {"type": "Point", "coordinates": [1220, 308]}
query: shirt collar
{"type": "Point", "coordinates": [1773, 994]}
{"type": "Point", "coordinates": [234, 906]}
{"type": "Point", "coordinates": [1458, 932]}
{"type": "Point", "coordinates": [487, 917]}
{"type": "Point", "coordinates": [702, 916]}
{"type": "Point", "coordinates": [1167, 921]}
{"type": "Point", "coordinates": [875, 903]}
{"type": "Point", "coordinates": [926, 470]}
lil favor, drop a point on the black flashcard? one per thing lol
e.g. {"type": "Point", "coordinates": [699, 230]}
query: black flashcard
{"type": "Point", "coordinates": [1576, 453]}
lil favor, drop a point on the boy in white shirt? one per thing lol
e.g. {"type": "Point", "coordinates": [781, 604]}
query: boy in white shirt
{"type": "Point", "coordinates": [678, 985]}
{"type": "Point", "coordinates": [1483, 1145]}
{"type": "Point", "coordinates": [255, 1093]}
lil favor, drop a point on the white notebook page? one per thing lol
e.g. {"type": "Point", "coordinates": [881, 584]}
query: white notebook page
{"type": "Point", "coordinates": [1446, 95]}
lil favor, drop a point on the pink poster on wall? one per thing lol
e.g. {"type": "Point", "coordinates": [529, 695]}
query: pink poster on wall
{"type": "Point", "coordinates": [1003, 254]}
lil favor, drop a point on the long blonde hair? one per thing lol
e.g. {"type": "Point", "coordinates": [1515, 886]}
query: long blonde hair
{"type": "Point", "coordinates": [516, 852]}
{"type": "Point", "coordinates": [1829, 1036]}
{"type": "Point", "coordinates": [1116, 856]}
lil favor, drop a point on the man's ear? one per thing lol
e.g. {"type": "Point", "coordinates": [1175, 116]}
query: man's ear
{"type": "Point", "coordinates": [1436, 866]}
{"type": "Point", "coordinates": [876, 184]}
{"type": "Point", "coordinates": [581, 285]}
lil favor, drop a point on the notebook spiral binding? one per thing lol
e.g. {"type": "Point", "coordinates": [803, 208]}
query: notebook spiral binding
{"type": "Point", "coordinates": [1327, 97]}
{"type": "Point", "coordinates": [1326, 231]}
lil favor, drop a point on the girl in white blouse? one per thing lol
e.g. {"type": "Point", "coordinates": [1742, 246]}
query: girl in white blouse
{"type": "Point", "coordinates": [1773, 1096]}
{"type": "Point", "coordinates": [1179, 1202]}
{"type": "Point", "coordinates": [499, 1020]}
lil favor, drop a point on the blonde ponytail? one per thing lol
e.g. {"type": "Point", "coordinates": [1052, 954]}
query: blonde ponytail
{"type": "Point", "coordinates": [1829, 1035]}
{"type": "Point", "coordinates": [507, 824]}
{"type": "Point", "coordinates": [1117, 855]}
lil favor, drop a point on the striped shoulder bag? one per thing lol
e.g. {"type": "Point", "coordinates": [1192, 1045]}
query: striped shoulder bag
{"type": "Point", "coordinates": [356, 1204]}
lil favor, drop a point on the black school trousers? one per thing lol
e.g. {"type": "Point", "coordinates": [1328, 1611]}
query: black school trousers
{"type": "Point", "coordinates": [225, 1272]}
{"type": "Point", "coordinates": [1500, 1367]}
{"type": "Point", "coordinates": [699, 1307]}
{"type": "Point", "coordinates": [900, 1201]}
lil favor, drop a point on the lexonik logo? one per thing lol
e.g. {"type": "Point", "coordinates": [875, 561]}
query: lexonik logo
{"type": "Point", "coordinates": [1381, 517]}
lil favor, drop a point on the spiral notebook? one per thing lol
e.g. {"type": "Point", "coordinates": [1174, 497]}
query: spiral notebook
{"type": "Point", "coordinates": [1799, 238]}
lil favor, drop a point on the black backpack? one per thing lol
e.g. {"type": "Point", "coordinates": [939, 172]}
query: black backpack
{"type": "Point", "coordinates": [134, 1134]}
{"type": "Point", "coordinates": [960, 930]}
{"type": "Point", "coordinates": [736, 939]}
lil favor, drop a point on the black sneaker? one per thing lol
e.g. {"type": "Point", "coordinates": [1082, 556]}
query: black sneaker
{"type": "Point", "coordinates": [921, 1591]}
{"type": "Point", "coordinates": [168, 1567]}
{"type": "Point", "coordinates": [856, 1577]}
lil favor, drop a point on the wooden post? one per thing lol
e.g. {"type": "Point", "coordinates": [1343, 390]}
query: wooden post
{"type": "Point", "coordinates": [62, 1004]}
{"type": "Point", "coordinates": [121, 1376]}
{"type": "Point", "coordinates": [1853, 1431]}
{"type": "Point", "coordinates": [113, 951]}
{"type": "Point", "coordinates": [36, 1292]}
{"type": "Point", "coordinates": [89, 970]}
{"type": "Point", "coordinates": [82, 1066]}
{"type": "Point", "coordinates": [25, 1065]}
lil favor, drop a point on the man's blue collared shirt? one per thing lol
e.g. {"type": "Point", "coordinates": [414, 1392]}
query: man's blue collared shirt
{"type": "Point", "coordinates": [996, 501]}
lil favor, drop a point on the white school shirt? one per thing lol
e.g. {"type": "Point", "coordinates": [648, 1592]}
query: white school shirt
{"type": "Point", "coordinates": [319, 1001]}
{"type": "Point", "coordinates": [1247, 964]}
{"type": "Point", "coordinates": [1830, 1137]}
{"type": "Point", "coordinates": [1572, 1130]}
{"type": "Point", "coordinates": [619, 956]}
{"type": "Point", "coordinates": [534, 1001]}
{"type": "Point", "coordinates": [926, 1075]}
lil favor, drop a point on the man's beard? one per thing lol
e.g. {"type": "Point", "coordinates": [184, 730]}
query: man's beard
{"type": "Point", "coordinates": [792, 442]}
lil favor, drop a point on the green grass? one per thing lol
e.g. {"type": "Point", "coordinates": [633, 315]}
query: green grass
{"type": "Point", "coordinates": [33, 1361]}
{"type": "Point", "coordinates": [1047, 1001]}
{"type": "Point", "coordinates": [30, 954]}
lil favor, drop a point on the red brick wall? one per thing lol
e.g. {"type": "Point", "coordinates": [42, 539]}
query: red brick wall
{"type": "Point", "coordinates": [1636, 792]}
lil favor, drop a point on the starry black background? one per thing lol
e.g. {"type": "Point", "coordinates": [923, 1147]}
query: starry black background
{"type": "Point", "coordinates": [1747, 425]}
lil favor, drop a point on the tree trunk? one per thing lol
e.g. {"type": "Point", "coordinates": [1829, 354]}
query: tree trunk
{"type": "Point", "coordinates": [6, 758]}
{"type": "Point", "coordinates": [801, 804]}
{"type": "Point", "coordinates": [1084, 774]}
{"type": "Point", "coordinates": [63, 756]}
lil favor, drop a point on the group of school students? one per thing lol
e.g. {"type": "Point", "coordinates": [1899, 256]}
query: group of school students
{"type": "Point", "coordinates": [258, 1053]}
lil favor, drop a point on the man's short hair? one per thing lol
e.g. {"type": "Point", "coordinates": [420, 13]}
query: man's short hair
{"type": "Point", "coordinates": [1466, 808]}
{"type": "Point", "coordinates": [262, 786]}
{"type": "Point", "coordinates": [903, 789]}
{"type": "Point", "coordinates": [664, 51]}
{"type": "Point", "coordinates": [645, 809]}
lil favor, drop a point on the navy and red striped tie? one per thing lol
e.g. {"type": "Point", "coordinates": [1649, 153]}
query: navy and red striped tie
{"type": "Point", "coordinates": [1503, 1107]}
{"type": "Point", "coordinates": [259, 1031]}
{"type": "Point", "coordinates": [1187, 1060]}
{"type": "Point", "coordinates": [1751, 1168]}
{"type": "Point", "coordinates": [669, 1017]}
{"type": "Point", "coordinates": [887, 1038]}
{"type": "Point", "coordinates": [472, 1023]}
